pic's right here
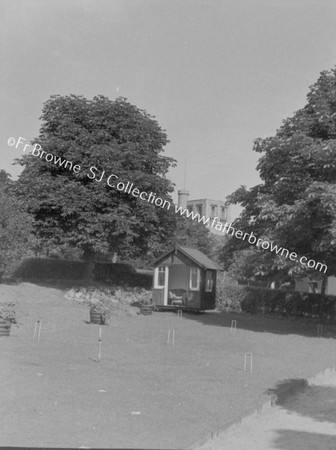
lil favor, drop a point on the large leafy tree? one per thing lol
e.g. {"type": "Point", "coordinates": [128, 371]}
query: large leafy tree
{"type": "Point", "coordinates": [78, 207]}
{"type": "Point", "coordinates": [295, 205]}
{"type": "Point", "coordinates": [15, 226]}
{"type": "Point", "coordinates": [5, 179]}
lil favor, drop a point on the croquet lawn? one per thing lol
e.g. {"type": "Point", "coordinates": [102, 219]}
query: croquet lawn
{"type": "Point", "coordinates": [143, 393]}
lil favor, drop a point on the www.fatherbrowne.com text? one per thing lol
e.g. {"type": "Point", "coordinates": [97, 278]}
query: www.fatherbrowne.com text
{"type": "Point", "coordinates": [227, 228]}
{"type": "Point", "coordinates": [129, 188]}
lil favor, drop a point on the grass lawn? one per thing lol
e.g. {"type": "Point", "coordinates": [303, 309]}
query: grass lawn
{"type": "Point", "coordinates": [144, 393]}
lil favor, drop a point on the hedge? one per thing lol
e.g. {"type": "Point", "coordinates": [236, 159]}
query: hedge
{"type": "Point", "coordinates": [122, 275]}
{"type": "Point", "coordinates": [49, 268]}
{"type": "Point", "coordinates": [62, 269]}
{"type": "Point", "coordinates": [256, 300]}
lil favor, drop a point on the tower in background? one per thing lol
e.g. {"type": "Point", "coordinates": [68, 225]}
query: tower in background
{"type": "Point", "coordinates": [206, 207]}
{"type": "Point", "coordinates": [183, 196]}
{"type": "Point", "coordinates": [214, 209]}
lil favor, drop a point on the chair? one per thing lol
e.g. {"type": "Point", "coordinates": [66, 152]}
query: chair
{"type": "Point", "coordinates": [175, 300]}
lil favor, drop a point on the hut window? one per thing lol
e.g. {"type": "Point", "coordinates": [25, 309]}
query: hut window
{"type": "Point", "coordinates": [160, 276]}
{"type": "Point", "coordinates": [194, 278]}
{"type": "Point", "coordinates": [208, 281]}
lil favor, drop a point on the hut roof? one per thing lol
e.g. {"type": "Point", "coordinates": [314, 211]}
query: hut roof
{"type": "Point", "coordinates": [194, 255]}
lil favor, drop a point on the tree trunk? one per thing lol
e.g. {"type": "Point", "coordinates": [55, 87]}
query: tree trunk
{"type": "Point", "coordinates": [89, 267]}
{"type": "Point", "coordinates": [323, 291]}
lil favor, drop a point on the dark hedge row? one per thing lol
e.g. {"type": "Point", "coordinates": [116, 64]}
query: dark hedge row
{"type": "Point", "coordinates": [61, 269]}
{"type": "Point", "coordinates": [270, 301]}
{"type": "Point", "coordinates": [49, 268]}
{"type": "Point", "coordinates": [122, 275]}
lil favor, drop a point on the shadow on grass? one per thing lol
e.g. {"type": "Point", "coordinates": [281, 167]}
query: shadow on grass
{"type": "Point", "coordinates": [317, 402]}
{"type": "Point", "coordinates": [302, 440]}
{"type": "Point", "coordinates": [263, 324]}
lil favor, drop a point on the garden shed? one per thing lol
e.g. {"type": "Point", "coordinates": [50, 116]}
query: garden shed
{"type": "Point", "coordinates": [185, 278]}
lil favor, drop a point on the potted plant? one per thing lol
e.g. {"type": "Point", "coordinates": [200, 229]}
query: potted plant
{"type": "Point", "coordinates": [7, 317]}
{"type": "Point", "coordinates": [99, 312]}
{"type": "Point", "coordinates": [146, 306]}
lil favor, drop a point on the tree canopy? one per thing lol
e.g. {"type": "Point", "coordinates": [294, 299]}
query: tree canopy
{"type": "Point", "coordinates": [15, 226]}
{"type": "Point", "coordinates": [295, 205]}
{"type": "Point", "coordinates": [78, 207]}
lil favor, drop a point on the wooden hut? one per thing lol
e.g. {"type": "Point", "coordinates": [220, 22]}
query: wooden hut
{"type": "Point", "coordinates": [185, 278]}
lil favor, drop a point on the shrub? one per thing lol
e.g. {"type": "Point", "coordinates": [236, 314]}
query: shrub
{"type": "Point", "coordinates": [7, 312]}
{"type": "Point", "coordinates": [229, 297]}
{"type": "Point", "coordinates": [109, 301]}
{"type": "Point", "coordinates": [255, 300]}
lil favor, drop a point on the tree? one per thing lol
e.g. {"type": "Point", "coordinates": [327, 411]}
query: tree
{"type": "Point", "coordinates": [190, 233]}
{"type": "Point", "coordinates": [295, 206]}
{"type": "Point", "coordinates": [15, 226]}
{"type": "Point", "coordinates": [5, 179]}
{"type": "Point", "coordinates": [103, 143]}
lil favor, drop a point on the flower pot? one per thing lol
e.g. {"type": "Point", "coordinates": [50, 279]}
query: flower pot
{"type": "Point", "coordinates": [5, 328]}
{"type": "Point", "coordinates": [97, 316]}
{"type": "Point", "coordinates": [146, 310]}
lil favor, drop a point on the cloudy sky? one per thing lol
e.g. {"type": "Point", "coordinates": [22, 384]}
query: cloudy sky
{"type": "Point", "coordinates": [215, 73]}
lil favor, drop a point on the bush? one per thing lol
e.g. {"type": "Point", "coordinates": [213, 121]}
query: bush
{"type": "Point", "coordinates": [230, 297]}
{"type": "Point", "coordinates": [256, 300]}
{"type": "Point", "coordinates": [110, 301]}
{"type": "Point", "coordinates": [7, 312]}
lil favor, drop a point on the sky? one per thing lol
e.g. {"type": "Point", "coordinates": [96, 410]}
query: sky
{"type": "Point", "coordinates": [216, 74]}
